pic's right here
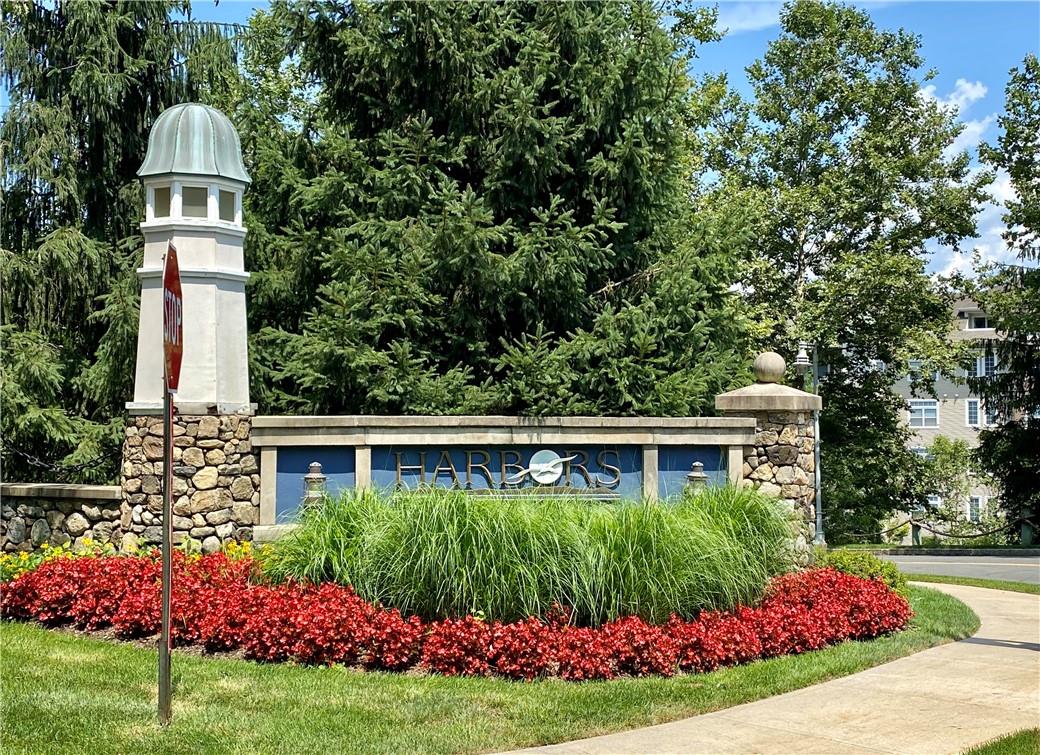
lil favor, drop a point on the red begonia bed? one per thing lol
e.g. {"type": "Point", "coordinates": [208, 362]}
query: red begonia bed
{"type": "Point", "coordinates": [217, 607]}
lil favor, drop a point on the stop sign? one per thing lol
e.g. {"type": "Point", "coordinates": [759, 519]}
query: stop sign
{"type": "Point", "coordinates": [173, 319]}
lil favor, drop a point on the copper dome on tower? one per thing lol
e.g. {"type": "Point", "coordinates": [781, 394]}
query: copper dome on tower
{"type": "Point", "coordinates": [194, 139]}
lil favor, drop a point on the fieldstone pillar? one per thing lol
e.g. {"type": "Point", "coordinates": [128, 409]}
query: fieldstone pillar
{"type": "Point", "coordinates": [782, 461]}
{"type": "Point", "coordinates": [194, 179]}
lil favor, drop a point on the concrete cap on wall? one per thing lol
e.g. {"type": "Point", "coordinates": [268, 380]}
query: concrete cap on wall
{"type": "Point", "coordinates": [194, 139]}
{"type": "Point", "coordinates": [768, 395]}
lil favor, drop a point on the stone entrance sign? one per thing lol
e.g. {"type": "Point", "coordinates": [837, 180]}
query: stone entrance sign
{"type": "Point", "coordinates": [608, 458]}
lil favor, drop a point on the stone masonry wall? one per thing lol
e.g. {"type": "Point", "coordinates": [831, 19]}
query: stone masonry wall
{"type": "Point", "coordinates": [782, 464]}
{"type": "Point", "coordinates": [68, 514]}
{"type": "Point", "coordinates": [216, 481]}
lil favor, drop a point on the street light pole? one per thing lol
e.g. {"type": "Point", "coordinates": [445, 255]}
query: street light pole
{"type": "Point", "coordinates": [819, 540]}
{"type": "Point", "coordinates": [802, 364]}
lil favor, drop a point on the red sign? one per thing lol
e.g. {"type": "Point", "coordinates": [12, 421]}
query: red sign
{"type": "Point", "coordinates": [173, 319]}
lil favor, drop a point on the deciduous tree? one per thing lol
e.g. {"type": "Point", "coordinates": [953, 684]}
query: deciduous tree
{"type": "Point", "coordinates": [848, 167]}
{"type": "Point", "coordinates": [1011, 295]}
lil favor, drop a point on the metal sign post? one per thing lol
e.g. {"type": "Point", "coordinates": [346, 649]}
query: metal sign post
{"type": "Point", "coordinates": [173, 351]}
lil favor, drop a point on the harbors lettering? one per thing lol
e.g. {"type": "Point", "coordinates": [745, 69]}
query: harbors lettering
{"type": "Point", "coordinates": [509, 469]}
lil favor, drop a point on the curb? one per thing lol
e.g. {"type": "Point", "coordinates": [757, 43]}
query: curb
{"type": "Point", "coordinates": [1007, 552]}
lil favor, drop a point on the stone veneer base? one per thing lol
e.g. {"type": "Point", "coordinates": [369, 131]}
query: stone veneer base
{"type": "Point", "coordinates": [216, 481]}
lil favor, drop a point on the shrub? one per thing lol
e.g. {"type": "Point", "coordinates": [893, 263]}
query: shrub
{"type": "Point", "coordinates": [524, 649]}
{"type": "Point", "coordinates": [457, 647]}
{"type": "Point", "coordinates": [639, 648]}
{"type": "Point", "coordinates": [583, 655]}
{"type": "Point", "coordinates": [864, 564]}
{"type": "Point", "coordinates": [715, 639]}
{"type": "Point", "coordinates": [394, 642]}
{"type": "Point", "coordinates": [444, 554]}
{"type": "Point", "coordinates": [332, 625]}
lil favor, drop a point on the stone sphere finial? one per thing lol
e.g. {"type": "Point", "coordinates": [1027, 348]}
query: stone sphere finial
{"type": "Point", "coordinates": [769, 367]}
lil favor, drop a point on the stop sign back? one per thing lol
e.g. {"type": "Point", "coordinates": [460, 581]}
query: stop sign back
{"type": "Point", "coordinates": [173, 319]}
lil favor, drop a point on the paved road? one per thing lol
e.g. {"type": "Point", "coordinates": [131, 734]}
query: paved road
{"type": "Point", "coordinates": [943, 700]}
{"type": "Point", "coordinates": [1011, 567]}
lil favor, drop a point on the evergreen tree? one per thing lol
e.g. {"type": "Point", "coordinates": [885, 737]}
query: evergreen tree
{"type": "Point", "coordinates": [485, 207]}
{"type": "Point", "coordinates": [846, 164]}
{"type": "Point", "coordinates": [1011, 295]}
{"type": "Point", "coordinates": [85, 81]}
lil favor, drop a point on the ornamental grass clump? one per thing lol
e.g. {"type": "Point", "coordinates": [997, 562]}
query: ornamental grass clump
{"type": "Point", "coordinates": [448, 554]}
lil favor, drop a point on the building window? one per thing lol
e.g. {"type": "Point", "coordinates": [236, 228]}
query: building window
{"type": "Point", "coordinates": [984, 365]}
{"type": "Point", "coordinates": [924, 413]}
{"type": "Point", "coordinates": [991, 417]}
{"type": "Point", "coordinates": [972, 412]}
{"type": "Point", "coordinates": [227, 206]}
{"type": "Point", "coordinates": [934, 501]}
{"type": "Point", "coordinates": [195, 202]}
{"type": "Point", "coordinates": [978, 322]}
{"type": "Point", "coordinates": [974, 506]}
{"type": "Point", "coordinates": [161, 201]}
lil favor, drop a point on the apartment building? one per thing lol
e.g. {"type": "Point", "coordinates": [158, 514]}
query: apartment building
{"type": "Point", "coordinates": [956, 412]}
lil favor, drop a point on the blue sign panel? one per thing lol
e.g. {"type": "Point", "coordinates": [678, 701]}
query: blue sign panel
{"type": "Point", "coordinates": [337, 464]}
{"type": "Point", "coordinates": [674, 463]}
{"type": "Point", "coordinates": [591, 470]}
{"type": "Point", "coordinates": [595, 471]}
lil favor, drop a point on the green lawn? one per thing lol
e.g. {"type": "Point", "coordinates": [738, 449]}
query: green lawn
{"type": "Point", "coordinates": [67, 693]}
{"type": "Point", "coordinates": [993, 584]}
{"type": "Point", "coordinates": [1025, 742]}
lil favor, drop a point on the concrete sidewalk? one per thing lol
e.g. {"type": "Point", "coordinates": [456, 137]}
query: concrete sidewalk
{"type": "Point", "coordinates": [941, 700]}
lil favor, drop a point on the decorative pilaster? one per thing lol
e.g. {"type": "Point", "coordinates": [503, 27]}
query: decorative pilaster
{"type": "Point", "coordinates": [216, 482]}
{"type": "Point", "coordinates": [781, 462]}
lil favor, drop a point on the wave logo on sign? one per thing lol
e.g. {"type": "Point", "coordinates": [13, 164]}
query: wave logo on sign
{"type": "Point", "coordinates": [545, 468]}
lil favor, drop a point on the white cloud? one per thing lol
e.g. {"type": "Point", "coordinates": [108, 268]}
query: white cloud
{"type": "Point", "coordinates": [1001, 188]}
{"type": "Point", "coordinates": [970, 138]}
{"type": "Point", "coordinates": [739, 17]}
{"type": "Point", "coordinates": [963, 95]}
{"type": "Point", "coordinates": [988, 247]}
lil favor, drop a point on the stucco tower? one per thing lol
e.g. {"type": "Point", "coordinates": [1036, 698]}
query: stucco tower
{"type": "Point", "coordinates": [193, 179]}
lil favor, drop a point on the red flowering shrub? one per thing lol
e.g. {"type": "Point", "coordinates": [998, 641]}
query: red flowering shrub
{"type": "Point", "coordinates": [332, 625]}
{"type": "Point", "coordinates": [640, 648]}
{"type": "Point", "coordinates": [715, 639]}
{"type": "Point", "coordinates": [106, 585]}
{"type": "Point", "coordinates": [582, 655]}
{"type": "Point", "coordinates": [271, 632]}
{"type": "Point", "coordinates": [457, 647]}
{"type": "Point", "coordinates": [139, 614]}
{"type": "Point", "coordinates": [51, 589]}
{"type": "Point", "coordinates": [215, 605]}
{"type": "Point", "coordinates": [394, 642]}
{"type": "Point", "coordinates": [523, 649]}
{"type": "Point", "coordinates": [226, 610]}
